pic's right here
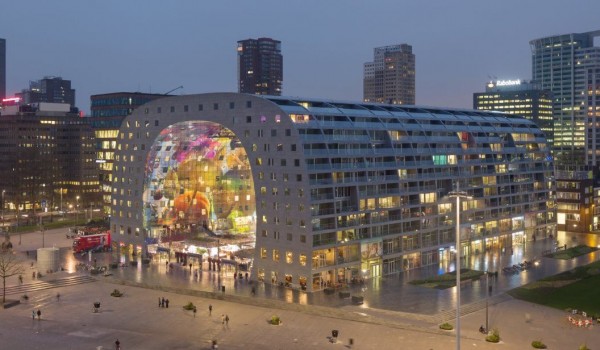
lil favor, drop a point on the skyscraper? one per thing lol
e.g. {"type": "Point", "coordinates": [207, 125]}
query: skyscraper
{"type": "Point", "coordinates": [50, 89]}
{"type": "Point", "coordinates": [565, 65]}
{"type": "Point", "coordinates": [519, 97]}
{"type": "Point", "coordinates": [2, 68]}
{"type": "Point", "coordinates": [260, 66]}
{"type": "Point", "coordinates": [390, 78]}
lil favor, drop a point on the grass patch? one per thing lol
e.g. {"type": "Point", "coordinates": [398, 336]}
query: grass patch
{"type": "Point", "coordinates": [577, 289]}
{"type": "Point", "coordinates": [448, 280]}
{"type": "Point", "coordinates": [572, 252]}
{"type": "Point", "coordinates": [446, 326]}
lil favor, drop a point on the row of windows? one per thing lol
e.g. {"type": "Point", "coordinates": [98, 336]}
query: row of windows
{"type": "Point", "coordinates": [289, 256]}
{"type": "Point", "coordinates": [186, 108]}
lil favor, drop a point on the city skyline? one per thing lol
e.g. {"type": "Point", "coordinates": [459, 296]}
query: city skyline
{"type": "Point", "coordinates": [458, 46]}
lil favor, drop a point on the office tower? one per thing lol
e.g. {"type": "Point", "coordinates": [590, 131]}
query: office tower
{"type": "Point", "coordinates": [334, 191]}
{"type": "Point", "coordinates": [2, 69]}
{"type": "Point", "coordinates": [49, 89]}
{"type": "Point", "coordinates": [260, 66]}
{"type": "Point", "coordinates": [390, 78]}
{"type": "Point", "coordinates": [519, 97]}
{"type": "Point", "coordinates": [108, 111]}
{"type": "Point", "coordinates": [565, 65]}
{"type": "Point", "coordinates": [54, 165]}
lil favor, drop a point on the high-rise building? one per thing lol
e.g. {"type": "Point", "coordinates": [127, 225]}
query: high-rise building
{"type": "Point", "coordinates": [47, 153]}
{"type": "Point", "coordinates": [108, 111]}
{"type": "Point", "coordinates": [2, 69]}
{"type": "Point", "coordinates": [390, 78]}
{"type": "Point", "coordinates": [260, 66]}
{"type": "Point", "coordinates": [49, 89]}
{"type": "Point", "coordinates": [565, 65]}
{"type": "Point", "coordinates": [519, 97]}
{"type": "Point", "coordinates": [335, 192]}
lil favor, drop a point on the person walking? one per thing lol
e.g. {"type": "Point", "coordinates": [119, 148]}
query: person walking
{"type": "Point", "coordinates": [117, 345]}
{"type": "Point", "coordinates": [194, 312]}
{"type": "Point", "coordinates": [210, 310]}
{"type": "Point", "coordinates": [20, 279]}
{"type": "Point", "coordinates": [159, 303]}
{"type": "Point", "coordinates": [57, 297]}
{"type": "Point", "coordinates": [227, 321]}
{"type": "Point", "coordinates": [39, 314]}
{"type": "Point", "coordinates": [33, 314]}
{"type": "Point", "coordinates": [167, 303]}
{"type": "Point", "coordinates": [223, 319]}
{"type": "Point", "coordinates": [162, 304]}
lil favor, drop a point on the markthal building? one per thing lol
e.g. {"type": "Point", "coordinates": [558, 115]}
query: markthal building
{"type": "Point", "coordinates": [332, 192]}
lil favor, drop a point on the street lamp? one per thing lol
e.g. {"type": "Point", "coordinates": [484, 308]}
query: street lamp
{"type": "Point", "coordinates": [77, 207]}
{"type": "Point", "coordinates": [458, 195]}
{"type": "Point", "coordinates": [3, 191]}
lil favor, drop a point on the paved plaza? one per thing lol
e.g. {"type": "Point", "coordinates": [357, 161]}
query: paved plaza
{"type": "Point", "coordinates": [395, 314]}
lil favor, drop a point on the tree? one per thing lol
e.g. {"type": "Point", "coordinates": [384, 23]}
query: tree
{"type": "Point", "coordinates": [9, 266]}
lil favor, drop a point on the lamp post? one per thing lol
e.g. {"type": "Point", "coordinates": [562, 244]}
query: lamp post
{"type": "Point", "coordinates": [77, 207]}
{"type": "Point", "coordinates": [458, 195]}
{"type": "Point", "coordinates": [487, 293]}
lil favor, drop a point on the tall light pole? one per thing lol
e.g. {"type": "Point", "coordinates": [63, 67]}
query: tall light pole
{"type": "Point", "coordinates": [487, 293]}
{"type": "Point", "coordinates": [458, 195]}
{"type": "Point", "coordinates": [3, 191]}
{"type": "Point", "coordinates": [77, 207]}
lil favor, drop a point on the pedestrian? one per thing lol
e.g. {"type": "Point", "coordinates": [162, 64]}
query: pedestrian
{"type": "Point", "coordinates": [39, 314]}
{"type": "Point", "coordinates": [57, 297]}
{"type": "Point", "coordinates": [209, 310]}
{"type": "Point", "coordinates": [190, 267]}
{"type": "Point", "coordinates": [20, 279]}
{"type": "Point", "coordinates": [227, 320]}
{"type": "Point", "coordinates": [159, 304]}
{"type": "Point", "coordinates": [163, 302]}
{"type": "Point", "coordinates": [194, 312]}
{"type": "Point", "coordinates": [33, 314]}
{"type": "Point", "coordinates": [33, 275]}
{"type": "Point", "coordinates": [223, 319]}
{"type": "Point", "coordinates": [167, 303]}
{"type": "Point", "coordinates": [167, 264]}
{"type": "Point", "coordinates": [117, 344]}
{"type": "Point", "coordinates": [253, 291]}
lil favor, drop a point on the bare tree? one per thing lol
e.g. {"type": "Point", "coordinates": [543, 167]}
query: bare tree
{"type": "Point", "coordinates": [9, 266]}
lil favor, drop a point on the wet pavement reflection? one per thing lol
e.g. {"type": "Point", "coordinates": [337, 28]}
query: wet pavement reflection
{"type": "Point", "coordinates": [389, 293]}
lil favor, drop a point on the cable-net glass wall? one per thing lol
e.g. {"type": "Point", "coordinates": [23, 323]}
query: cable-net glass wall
{"type": "Point", "coordinates": [198, 179]}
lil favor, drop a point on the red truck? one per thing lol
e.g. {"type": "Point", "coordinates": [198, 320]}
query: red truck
{"type": "Point", "coordinates": [97, 242]}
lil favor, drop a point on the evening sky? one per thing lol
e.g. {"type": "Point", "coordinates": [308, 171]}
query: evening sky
{"type": "Point", "coordinates": [157, 45]}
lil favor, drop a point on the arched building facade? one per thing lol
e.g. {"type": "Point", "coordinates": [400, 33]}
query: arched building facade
{"type": "Point", "coordinates": [335, 192]}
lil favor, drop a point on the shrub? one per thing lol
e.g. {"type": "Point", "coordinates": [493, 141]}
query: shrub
{"type": "Point", "coordinates": [189, 306]}
{"type": "Point", "coordinates": [116, 293]}
{"type": "Point", "coordinates": [446, 326]}
{"type": "Point", "coordinates": [583, 347]}
{"type": "Point", "coordinates": [275, 320]}
{"type": "Point", "coordinates": [25, 297]}
{"type": "Point", "coordinates": [538, 344]}
{"type": "Point", "coordinates": [494, 337]}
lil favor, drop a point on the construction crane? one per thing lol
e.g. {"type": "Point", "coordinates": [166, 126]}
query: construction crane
{"type": "Point", "coordinates": [177, 88]}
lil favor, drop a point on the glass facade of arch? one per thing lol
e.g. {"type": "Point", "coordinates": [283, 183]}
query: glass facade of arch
{"type": "Point", "coordinates": [198, 179]}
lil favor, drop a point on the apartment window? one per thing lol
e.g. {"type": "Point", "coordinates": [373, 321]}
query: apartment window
{"type": "Point", "coordinates": [215, 106]}
{"type": "Point", "coordinates": [275, 235]}
{"type": "Point", "coordinates": [200, 107]}
{"type": "Point", "coordinates": [156, 123]}
{"type": "Point", "coordinates": [146, 110]}
{"type": "Point", "coordinates": [185, 108]}
{"type": "Point", "coordinates": [248, 104]}
{"type": "Point", "coordinates": [296, 162]}
{"type": "Point", "coordinates": [299, 177]}
{"type": "Point", "coordinates": [302, 259]}
{"type": "Point", "coordinates": [277, 118]}
{"type": "Point", "coordinates": [248, 119]}
{"type": "Point", "coordinates": [289, 257]}
{"type": "Point", "coordinates": [283, 162]}
{"type": "Point", "coordinates": [285, 177]}
{"type": "Point", "coordinates": [279, 147]}
{"type": "Point", "coordinates": [273, 132]}
{"type": "Point", "coordinates": [293, 148]}
{"type": "Point", "coordinates": [289, 236]}
{"type": "Point", "coordinates": [231, 105]}
{"type": "Point", "coordinates": [302, 238]}
{"type": "Point", "coordinates": [264, 233]}
{"type": "Point", "coordinates": [263, 253]}
{"type": "Point", "coordinates": [172, 109]}
{"type": "Point", "coordinates": [288, 132]}
{"type": "Point", "coordinates": [276, 255]}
